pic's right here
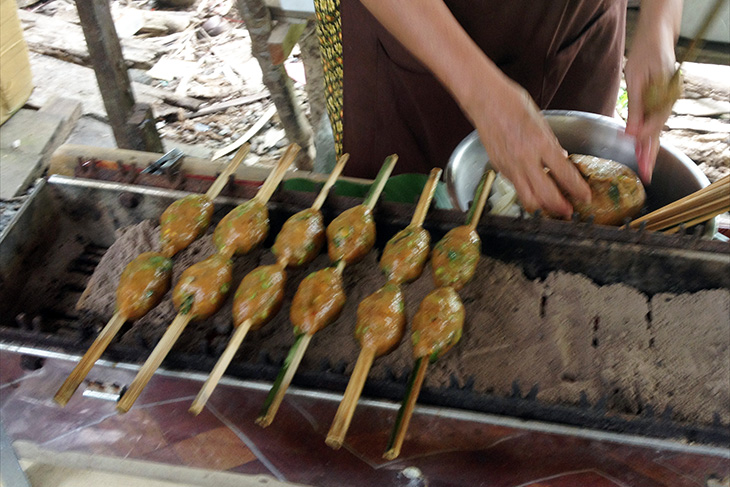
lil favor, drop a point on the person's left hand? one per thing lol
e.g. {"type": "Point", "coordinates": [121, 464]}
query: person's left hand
{"type": "Point", "coordinates": [650, 66]}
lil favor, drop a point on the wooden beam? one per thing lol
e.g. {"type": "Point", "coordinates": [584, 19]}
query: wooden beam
{"type": "Point", "coordinates": [258, 21]}
{"type": "Point", "coordinates": [282, 40]}
{"type": "Point", "coordinates": [106, 57]}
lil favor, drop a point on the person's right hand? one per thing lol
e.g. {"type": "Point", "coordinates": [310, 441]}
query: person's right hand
{"type": "Point", "coordinates": [521, 146]}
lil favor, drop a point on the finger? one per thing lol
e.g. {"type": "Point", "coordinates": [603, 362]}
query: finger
{"type": "Point", "coordinates": [643, 159]}
{"type": "Point", "coordinates": [525, 193]}
{"type": "Point", "coordinates": [636, 107]}
{"type": "Point", "coordinates": [547, 193]}
{"type": "Point", "coordinates": [567, 176]}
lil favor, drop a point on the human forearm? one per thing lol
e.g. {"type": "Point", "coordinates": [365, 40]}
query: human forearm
{"type": "Point", "coordinates": [650, 66]}
{"type": "Point", "coordinates": [517, 138]}
{"type": "Point", "coordinates": [432, 34]}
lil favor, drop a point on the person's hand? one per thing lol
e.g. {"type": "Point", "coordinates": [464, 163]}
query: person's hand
{"type": "Point", "coordinates": [649, 70]}
{"type": "Point", "coordinates": [524, 149]}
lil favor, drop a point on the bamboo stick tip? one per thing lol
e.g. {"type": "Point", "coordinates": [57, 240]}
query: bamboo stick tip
{"type": "Point", "coordinates": [121, 409]}
{"type": "Point", "coordinates": [334, 442]}
{"type": "Point", "coordinates": [62, 398]}
{"type": "Point", "coordinates": [264, 421]}
{"type": "Point", "coordinates": [391, 454]}
{"type": "Point", "coordinates": [195, 409]}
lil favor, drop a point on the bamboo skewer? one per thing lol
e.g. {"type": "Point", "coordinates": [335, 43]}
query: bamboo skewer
{"type": "Point", "coordinates": [241, 331]}
{"type": "Point", "coordinates": [398, 435]}
{"type": "Point", "coordinates": [153, 362]}
{"type": "Point", "coordinates": [182, 319]}
{"type": "Point", "coordinates": [220, 367]}
{"type": "Point", "coordinates": [286, 374]}
{"type": "Point", "coordinates": [275, 176]}
{"type": "Point", "coordinates": [380, 180]}
{"type": "Point", "coordinates": [691, 213]}
{"type": "Point", "coordinates": [222, 179]}
{"type": "Point", "coordinates": [324, 192]}
{"type": "Point", "coordinates": [424, 201]}
{"type": "Point", "coordinates": [343, 417]}
{"type": "Point", "coordinates": [278, 389]}
{"type": "Point", "coordinates": [419, 371]}
{"type": "Point", "coordinates": [712, 192]}
{"type": "Point", "coordinates": [79, 373]}
{"type": "Point", "coordinates": [483, 190]}
{"type": "Point", "coordinates": [699, 219]}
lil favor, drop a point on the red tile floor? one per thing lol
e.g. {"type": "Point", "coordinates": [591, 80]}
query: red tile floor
{"type": "Point", "coordinates": [445, 450]}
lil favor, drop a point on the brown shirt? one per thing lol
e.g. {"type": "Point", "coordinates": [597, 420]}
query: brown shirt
{"type": "Point", "coordinates": [567, 53]}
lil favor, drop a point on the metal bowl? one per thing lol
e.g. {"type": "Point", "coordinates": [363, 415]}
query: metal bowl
{"type": "Point", "coordinates": [675, 174]}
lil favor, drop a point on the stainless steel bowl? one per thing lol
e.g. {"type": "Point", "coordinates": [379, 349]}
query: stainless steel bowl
{"type": "Point", "coordinates": [675, 174]}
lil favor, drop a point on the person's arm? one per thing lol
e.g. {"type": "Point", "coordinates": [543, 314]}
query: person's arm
{"type": "Point", "coordinates": [651, 60]}
{"type": "Point", "coordinates": [518, 140]}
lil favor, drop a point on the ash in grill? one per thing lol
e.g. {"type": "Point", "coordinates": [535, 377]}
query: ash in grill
{"type": "Point", "coordinates": [650, 358]}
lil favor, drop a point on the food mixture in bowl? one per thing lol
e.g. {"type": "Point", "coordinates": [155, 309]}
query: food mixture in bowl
{"type": "Point", "coordinates": [617, 192]}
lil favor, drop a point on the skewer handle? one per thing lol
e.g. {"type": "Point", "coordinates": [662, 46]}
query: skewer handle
{"type": "Point", "coordinates": [406, 410]}
{"type": "Point", "coordinates": [708, 193]}
{"type": "Point", "coordinates": [220, 367]}
{"type": "Point", "coordinates": [699, 219]}
{"type": "Point", "coordinates": [275, 176]}
{"type": "Point", "coordinates": [153, 362]}
{"type": "Point", "coordinates": [702, 208]}
{"type": "Point", "coordinates": [480, 200]}
{"type": "Point", "coordinates": [380, 181]}
{"type": "Point", "coordinates": [330, 181]}
{"type": "Point", "coordinates": [82, 369]}
{"type": "Point", "coordinates": [343, 417]}
{"type": "Point", "coordinates": [222, 179]}
{"type": "Point", "coordinates": [424, 202]}
{"type": "Point", "coordinates": [281, 384]}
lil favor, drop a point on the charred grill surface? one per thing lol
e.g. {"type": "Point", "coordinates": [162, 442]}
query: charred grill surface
{"type": "Point", "coordinates": [47, 256]}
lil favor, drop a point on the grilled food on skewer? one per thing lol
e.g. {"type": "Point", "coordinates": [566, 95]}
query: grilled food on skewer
{"type": "Point", "coordinates": [147, 278]}
{"type": "Point", "coordinates": [203, 287]}
{"type": "Point", "coordinates": [438, 322]}
{"type": "Point", "coordinates": [260, 294]}
{"type": "Point", "coordinates": [187, 219]}
{"type": "Point", "coordinates": [320, 297]}
{"type": "Point", "coordinates": [381, 318]}
{"type": "Point", "coordinates": [199, 293]}
{"type": "Point", "coordinates": [301, 238]}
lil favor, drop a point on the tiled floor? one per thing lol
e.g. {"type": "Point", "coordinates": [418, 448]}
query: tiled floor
{"type": "Point", "coordinates": [224, 437]}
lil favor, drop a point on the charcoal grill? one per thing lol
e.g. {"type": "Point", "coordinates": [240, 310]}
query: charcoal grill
{"type": "Point", "coordinates": [53, 245]}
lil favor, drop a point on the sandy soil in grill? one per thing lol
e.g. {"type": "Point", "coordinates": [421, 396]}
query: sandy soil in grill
{"type": "Point", "coordinates": [565, 334]}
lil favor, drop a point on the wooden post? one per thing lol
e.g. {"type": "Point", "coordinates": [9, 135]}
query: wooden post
{"type": "Point", "coordinates": [258, 21]}
{"type": "Point", "coordinates": [282, 40]}
{"type": "Point", "coordinates": [106, 57]}
{"type": "Point", "coordinates": [142, 121]}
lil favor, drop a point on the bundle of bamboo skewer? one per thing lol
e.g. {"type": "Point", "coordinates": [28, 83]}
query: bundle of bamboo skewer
{"type": "Point", "coordinates": [696, 208]}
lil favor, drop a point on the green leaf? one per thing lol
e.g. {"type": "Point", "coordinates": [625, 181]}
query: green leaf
{"type": "Point", "coordinates": [403, 188]}
{"type": "Point", "coordinates": [301, 184]}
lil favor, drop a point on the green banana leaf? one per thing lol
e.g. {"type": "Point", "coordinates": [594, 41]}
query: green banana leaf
{"type": "Point", "coordinates": [403, 188]}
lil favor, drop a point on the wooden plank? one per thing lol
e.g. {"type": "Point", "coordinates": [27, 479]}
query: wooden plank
{"type": "Point", "coordinates": [65, 40]}
{"type": "Point", "coordinates": [282, 40]}
{"type": "Point", "coordinates": [219, 107]}
{"type": "Point", "coordinates": [66, 157]}
{"type": "Point", "coordinates": [106, 56]}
